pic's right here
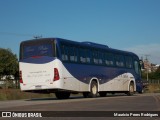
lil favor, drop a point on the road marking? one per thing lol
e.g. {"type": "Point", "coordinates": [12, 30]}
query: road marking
{"type": "Point", "coordinates": [157, 99]}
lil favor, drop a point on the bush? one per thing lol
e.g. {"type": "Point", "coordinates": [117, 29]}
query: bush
{"type": "Point", "coordinates": [153, 88]}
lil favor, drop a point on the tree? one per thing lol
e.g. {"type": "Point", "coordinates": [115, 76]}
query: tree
{"type": "Point", "coordinates": [153, 75]}
{"type": "Point", "coordinates": [8, 63]}
{"type": "Point", "coordinates": [157, 73]}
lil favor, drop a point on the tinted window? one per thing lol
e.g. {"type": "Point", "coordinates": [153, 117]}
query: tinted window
{"type": "Point", "coordinates": [119, 60]}
{"type": "Point", "coordinates": [137, 67]}
{"type": "Point", "coordinates": [37, 50]}
{"type": "Point", "coordinates": [128, 60]}
{"type": "Point", "coordinates": [88, 56]}
{"type": "Point", "coordinates": [82, 55]}
{"type": "Point", "coordinates": [109, 59]}
{"type": "Point", "coordinates": [101, 58]}
{"type": "Point", "coordinates": [64, 50]}
{"type": "Point", "coordinates": [72, 54]}
{"type": "Point", "coordinates": [69, 53]}
{"type": "Point", "coordinates": [95, 57]}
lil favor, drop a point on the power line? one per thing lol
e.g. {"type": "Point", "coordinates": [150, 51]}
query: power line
{"type": "Point", "coordinates": [20, 34]}
{"type": "Point", "coordinates": [147, 55]}
{"type": "Point", "coordinates": [15, 34]}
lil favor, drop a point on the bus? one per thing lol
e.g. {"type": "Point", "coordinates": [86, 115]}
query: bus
{"type": "Point", "coordinates": [60, 66]}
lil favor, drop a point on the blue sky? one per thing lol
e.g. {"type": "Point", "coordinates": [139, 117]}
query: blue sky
{"type": "Point", "coordinates": [132, 25]}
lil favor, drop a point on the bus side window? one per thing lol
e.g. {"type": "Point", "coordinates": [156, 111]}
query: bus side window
{"type": "Point", "coordinates": [82, 55]}
{"type": "Point", "coordinates": [109, 59]}
{"type": "Point", "coordinates": [95, 57]}
{"type": "Point", "coordinates": [128, 61]}
{"type": "Point", "coordinates": [73, 54]}
{"type": "Point", "coordinates": [76, 54]}
{"type": "Point", "coordinates": [64, 50]}
{"type": "Point", "coordinates": [85, 55]}
{"type": "Point", "coordinates": [119, 59]}
{"type": "Point", "coordinates": [88, 57]}
{"type": "Point", "coordinates": [137, 67]}
{"type": "Point", "coordinates": [100, 58]}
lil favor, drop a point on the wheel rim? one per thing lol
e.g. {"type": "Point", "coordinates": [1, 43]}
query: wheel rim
{"type": "Point", "coordinates": [94, 89]}
{"type": "Point", "coordinates": [131, 89]}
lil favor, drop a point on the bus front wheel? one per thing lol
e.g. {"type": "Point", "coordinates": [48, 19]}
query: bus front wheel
{"type": "Point", "coordinates": [131, 89]}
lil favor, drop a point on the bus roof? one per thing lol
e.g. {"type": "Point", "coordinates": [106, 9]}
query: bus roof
{"type": "Point", "coordinates": [96, 46]}
{"type": "Point", "coordinates": [82, 44]}
{"type": "Point", "coordinates": [37, 40]}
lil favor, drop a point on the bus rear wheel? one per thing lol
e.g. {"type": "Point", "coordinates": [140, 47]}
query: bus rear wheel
{"type": "Point", "coordinates": [62, 95]}
{"type": "Point", "coordinates": [93, 90]}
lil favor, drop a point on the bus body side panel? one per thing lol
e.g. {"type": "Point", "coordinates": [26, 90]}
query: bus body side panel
{"type": "Point", "coordinates": [119, 83]}
{"type": "Point", "coordinates": [73, 77]}
{"type": "Point", "coordinates": [109, 79]}
{"type": "Point", "coordinates": [70, 82]}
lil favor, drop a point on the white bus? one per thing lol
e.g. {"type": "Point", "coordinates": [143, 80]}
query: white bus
{"type": "Point", "coordinates": [54, 65]}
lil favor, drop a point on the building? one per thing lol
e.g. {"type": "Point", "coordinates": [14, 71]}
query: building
{"type": "Point", "coordinates": [147, 65]}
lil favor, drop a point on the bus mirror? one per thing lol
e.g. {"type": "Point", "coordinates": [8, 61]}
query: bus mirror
{"type": "Point", "coordinates": [141, 64]}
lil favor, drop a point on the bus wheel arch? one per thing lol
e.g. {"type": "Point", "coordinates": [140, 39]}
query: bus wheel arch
{"type": "Point", "coordinates": [96, 80]}
{"type": "Point", "coordinates": [93, 88]}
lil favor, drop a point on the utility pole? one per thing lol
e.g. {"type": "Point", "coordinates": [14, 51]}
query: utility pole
{"type": "Point", "coordinates": [147, 65]}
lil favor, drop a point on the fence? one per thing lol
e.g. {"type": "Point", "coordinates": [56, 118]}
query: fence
{"type": "Point", "coordinates": [154, 81]}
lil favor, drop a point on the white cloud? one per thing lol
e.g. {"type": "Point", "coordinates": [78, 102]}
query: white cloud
{"type": "Point", "coordinates": [153, 50]}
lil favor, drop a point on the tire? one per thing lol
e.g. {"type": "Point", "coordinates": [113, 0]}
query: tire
{"type": "Point", "coordinates": [102, 94]}
{"type": "Point", "coordinates": [142, 91]}
{"type": "Point", "coordinates": [62, 95]}
{"type": "Point", "coordinates": [93, 90]}
{"type": "Point", "coordinates": [131, 89]}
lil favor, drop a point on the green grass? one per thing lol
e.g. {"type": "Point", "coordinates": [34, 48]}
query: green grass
{"type": "Point", "coordinates": [15, 94]}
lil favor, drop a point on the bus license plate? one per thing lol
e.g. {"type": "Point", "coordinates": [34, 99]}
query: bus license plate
{"type": "Point", "coordinates": [38, 87]}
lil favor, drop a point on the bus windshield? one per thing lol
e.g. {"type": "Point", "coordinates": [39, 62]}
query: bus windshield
{"type": "Point", "coordinates": [37, 50]}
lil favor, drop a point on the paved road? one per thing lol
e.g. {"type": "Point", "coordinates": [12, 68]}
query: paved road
{"type": "Point", "coordinates": [138, 102]}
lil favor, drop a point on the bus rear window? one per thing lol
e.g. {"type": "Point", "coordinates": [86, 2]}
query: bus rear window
{"type": "Point", "coordinates": [37, 50]}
